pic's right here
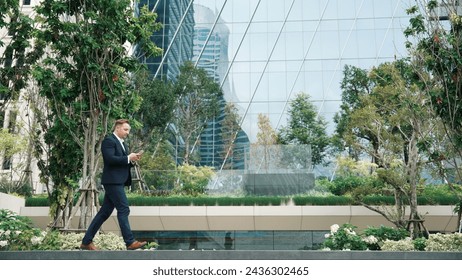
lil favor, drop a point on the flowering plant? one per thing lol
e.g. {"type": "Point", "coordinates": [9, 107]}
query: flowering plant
{"type": "Point", "coordinates": [398, 245]}
{"type": "Point", "coordinates": [107, 241]}
{"type": "Point", "coordinates": [375, 236]}
{"type": "Point", "coordinates": [343, 238]}
{"type": "Point", "coordinates": [444, 242]}
{"type": "Point", "coordinates": [17, 232]}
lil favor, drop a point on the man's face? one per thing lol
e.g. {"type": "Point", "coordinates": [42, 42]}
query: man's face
{"type": "Point", "coordinates": [122, 130]}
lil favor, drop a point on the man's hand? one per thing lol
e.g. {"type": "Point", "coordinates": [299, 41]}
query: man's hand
{"type": "Point", "coordinates": [135, 156]}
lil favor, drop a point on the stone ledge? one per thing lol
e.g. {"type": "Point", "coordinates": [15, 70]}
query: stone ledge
{"type": "Point", "coordinates": [227, 255]}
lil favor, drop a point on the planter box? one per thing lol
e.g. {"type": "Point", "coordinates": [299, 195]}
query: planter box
{"type": "Point", "coordinates": [278, 184]}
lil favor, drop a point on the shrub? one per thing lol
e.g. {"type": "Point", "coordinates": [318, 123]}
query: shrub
{"type": "Point", "coordinates": [348, 184]}
{"type": "Point", "coordinates": [382, 234]}
{"type": "Point", "coordinates": [17, 233]}
{"type": "Point", "coordinates": [108, 241]}
{"type": "Point", "coordinates": [193, 180]}
{"type": "Point", "coordinates": [12, 187]}
{"type": "Point", "coordinates": [343, 238]}
{"type": "Point", "coordinates": [398, 245]}
{"type": "Point", "coordinates": [420, 243]}
{"type": "Point", "coordinates": [444, 242]}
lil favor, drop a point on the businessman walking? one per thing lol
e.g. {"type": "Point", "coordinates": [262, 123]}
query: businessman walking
{"type": "Point", "coordinates": [116, 175]}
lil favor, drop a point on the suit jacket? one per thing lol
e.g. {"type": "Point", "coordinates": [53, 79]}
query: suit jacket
{"type": "Point", "coordinates": [116, 168]}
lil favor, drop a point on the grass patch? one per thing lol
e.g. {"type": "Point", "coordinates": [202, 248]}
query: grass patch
{"type": "Point", "coordinates": [143, 200]}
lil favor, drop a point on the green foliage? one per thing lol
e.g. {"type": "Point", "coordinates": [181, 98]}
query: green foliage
{"type": "Point", "coordinates": [167, 198]}
{"type": "Point", "coordinates": [18, 233]}
{"type": "Point", "coordinates": [322, 200]}
{"type": "Point", "coordinates": [404, 245]}
{"type": "Point", "coordinates": [86, 79]}
{"type": "Point", "coordinates": [305, 126]}
{"type": "Point", "coordinates": [355, 84]}
{"type": "Point", "coordinates": [435, 46]}
{"type": "Point", "coordinates": [107, 241]}
{"type": "Point", "coordinates": [20, 28]}
{"type": "Point", "coordinates": [444, 242]}
{"type": "Point", "coordinates": [11, 143]}
{"type": "Point", "coordinates": [156, 94]}
{"type": "Point", "coordinates": [346, 184]}
{"type": "Point", "coordinates": [383, 233]}
{"type": "Point", "coordinates": [37, 201]}
{"type": "Point", "coordinates": [420, 243]}
{"type": "Point", "coordinates": [199, 100]}
{"type": "Point", "coordinates": [183, 200]}
{"type": "Point", "coordinates": [343, 238]}
{"type": "Point", "coordinates": [158, 167]}
{"type": "Point", "coordinates": [323, 185]}
{"type": "Point", "coordinates": [6, 186]}
{"type": "Point", "coordinates": [193, 180]}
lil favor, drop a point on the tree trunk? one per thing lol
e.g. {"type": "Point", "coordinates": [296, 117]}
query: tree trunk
{"type": "Point", "coordinates": [416, 221]}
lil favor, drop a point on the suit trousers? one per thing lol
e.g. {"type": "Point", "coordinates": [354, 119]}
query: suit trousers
{"type": "Point", "coordinates": [114, 197]}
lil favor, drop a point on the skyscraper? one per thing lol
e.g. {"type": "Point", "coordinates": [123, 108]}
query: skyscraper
{"type": "Point", "coordinates": [210, 53]}
{"type": "Point", "coordinates": [175, 38]}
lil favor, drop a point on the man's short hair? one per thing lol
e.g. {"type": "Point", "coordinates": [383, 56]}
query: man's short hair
{"type": "Point", "coordinates": [120, 122]}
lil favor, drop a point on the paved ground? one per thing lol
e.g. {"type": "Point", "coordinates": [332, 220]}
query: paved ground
{"type": "Point", "coordinates": [227, 255]}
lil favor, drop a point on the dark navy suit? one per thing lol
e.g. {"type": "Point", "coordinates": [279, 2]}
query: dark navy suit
{"type": "Point", "coordinates": [116, 168]}
{"type": "Point", "coordinates": [116, 175]}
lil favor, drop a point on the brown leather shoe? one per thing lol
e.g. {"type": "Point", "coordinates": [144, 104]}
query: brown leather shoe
{"type": "Point", "coordinates": [136, 245]}
{"type": "Point", "coordinates": [90, 247]}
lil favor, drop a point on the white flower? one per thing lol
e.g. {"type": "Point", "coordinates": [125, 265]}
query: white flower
{"type": "Point", "coordinates": [370, 239]}
{"type": "Point", "coordinates": [334, 228]}
{"type": "Point", "coordinates": [3, 243]}
{"type": "Point", "coordinates": [18, 232]}
{"type": "Point", "coordinates": [36, 240]}
{"type": "Point", "coordinates": [7, 233]}
{"type": "Point", "coordinates": [327, 235]}
{"type": "Point", "coordinates": [350, 232]}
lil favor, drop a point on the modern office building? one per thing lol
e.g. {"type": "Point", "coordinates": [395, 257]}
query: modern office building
{"type": "Point", "coordinates": [175, 38]}
{"type": "Point", "coordinates": [263, 53]}
{"type": "Point", "coordinates": [210, 52]}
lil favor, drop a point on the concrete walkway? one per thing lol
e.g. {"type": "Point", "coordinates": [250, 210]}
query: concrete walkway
{"type": "Point", "coordinates": [227, 255]}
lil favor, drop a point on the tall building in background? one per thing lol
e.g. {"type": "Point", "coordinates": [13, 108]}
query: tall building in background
{"type": "Point", "coordinates": [265, 52]}
{"type": "Point", "coordinates": [210, 52]}
{"type": "Point", "coordinates": [175, 38]}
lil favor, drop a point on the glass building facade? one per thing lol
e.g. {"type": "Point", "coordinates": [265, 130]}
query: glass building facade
{"type": "Point", "coordinates": [235, 240]}
{"type": "Point", "coordinates": [264, 52]}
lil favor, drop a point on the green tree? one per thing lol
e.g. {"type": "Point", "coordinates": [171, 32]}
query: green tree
{"type": "Point", "coordinates": [266, 138]}
{"type": "Point", "coordinates": [85, 78]}
{"type": "Point", "coordinates": [435, 43]}
{"type": "Point", "coordinates": [17, 56]}
{"type": "Point", "coordinates": [306, 127]}
{"type": "Point", "coordinates": [199, 97]}
{"type": "Point", "coordinates": [157, 94]}
{"type": "Point", "coordinates": [437, 49]}
{"type": "Point", "coordinates": [396, 116]}
{"type": "Point", "coordinates": [230, 127]}
{"type": "Point", "coordinates": [355, 84]}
